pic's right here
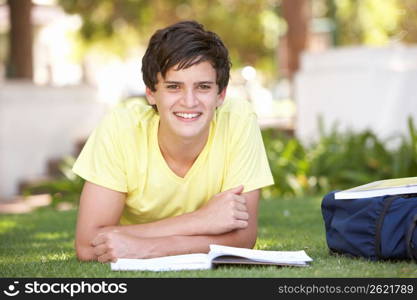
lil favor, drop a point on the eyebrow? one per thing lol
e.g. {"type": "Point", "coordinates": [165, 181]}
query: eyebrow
{"type": "Point", "coordinates": [180, 82]}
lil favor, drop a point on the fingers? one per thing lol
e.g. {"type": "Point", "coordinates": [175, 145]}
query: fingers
{"type": "Point", "coordinates": [241, 215]}
{"type": "Point", "coordinates": [236, 190]}
{"type": "Point", "coordinates": [240, 199]}
{"type": "Point", "coordinates": [103, 235]}
{"type": "Point", "coordinates": [226, 211]}
{"type": "Point", "coordinates": [240, 224]}
{"type": "Point", "coordinates": [99, 239]}
{"type": "Point", "coordinates": [107, 257]}
{"type": "Point", "coordinates": [240, 212]}
{"type": "Point", "coordinates": [240, 207]}
{"type": "Point", "coordinates": [239, 203]}
{"type": "Point", "coordinates": [100, 249]}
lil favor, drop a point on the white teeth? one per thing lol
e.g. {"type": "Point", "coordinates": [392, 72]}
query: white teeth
{"type": "Point", "coordinates": [187, 116]}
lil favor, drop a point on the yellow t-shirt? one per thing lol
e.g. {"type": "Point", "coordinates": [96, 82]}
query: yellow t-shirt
{"type": "Point", "coordinates": [123, 154]}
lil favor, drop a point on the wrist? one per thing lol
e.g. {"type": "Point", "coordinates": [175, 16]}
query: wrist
{"type": "Point", "coordinates": [108, 229]}
{"type": "Point", "coordinates": [154, 247]}
{"type": "Point", "coordinates": [142, 247]}
{"type": "Point", "coordinates": [197, 224]}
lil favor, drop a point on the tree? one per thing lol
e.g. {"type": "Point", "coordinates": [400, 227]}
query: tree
{"type": "Point", "coordinates": [369, 22]}
{"type": "Point", "coordinates": [238, 22]}
{"type": "Point", "coordinates": [20, 53]}
{"type": "Point", "coordinates": [408, 22]}
{"type": "Point", "coordinates": [297, 15]}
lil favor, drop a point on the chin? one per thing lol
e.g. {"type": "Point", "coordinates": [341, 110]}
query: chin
{"type": "Point", "coordinates": [191, 131]}
{"type": "Point", "coordinates": [189, 134]}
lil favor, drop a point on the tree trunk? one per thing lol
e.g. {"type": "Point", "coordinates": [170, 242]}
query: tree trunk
{"type": "Point", "coordinates": [20, 50]}
{"type": "Point", "coordinates": [297, 15]}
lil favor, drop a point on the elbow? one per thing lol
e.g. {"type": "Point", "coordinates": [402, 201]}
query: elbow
{"type": "Point", "coordinates": [250, 236]}
{"type": "Point", "coordinates": [251, 241]}
{"type": "Point", "coordinates": [246, 239]}
{"type": "Point", "coordinates": [81, 256]}
{"type": "Point", "coordinates": [84, 253]}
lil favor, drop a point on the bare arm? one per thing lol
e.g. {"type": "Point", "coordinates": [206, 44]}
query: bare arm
{"type": "Point", "coordinates": [113, 245]}
{"type": "Point", "coordinates": [243, 237]}
{"type": "Point", "coordinates": [101, 208]}
{"type": "Point", "coordinates": [226, 211]}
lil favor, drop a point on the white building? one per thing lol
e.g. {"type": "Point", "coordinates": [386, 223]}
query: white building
{"type": "Point", "coordinates": [357, 88]}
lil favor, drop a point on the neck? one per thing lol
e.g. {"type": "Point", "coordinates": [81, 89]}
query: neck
{"type": "Point", "coordinates": [179, 150]}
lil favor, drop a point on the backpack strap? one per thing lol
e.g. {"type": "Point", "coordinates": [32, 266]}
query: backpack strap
{"type": "Point", "coordinates": [379, 222]}
{"type": "Point", "coordinates": [411, 250]}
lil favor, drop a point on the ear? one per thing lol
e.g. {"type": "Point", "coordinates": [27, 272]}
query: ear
{"type": "Point", "coordinates": [150, 96]}
{"type": "Point", "coordinates": [220, 97]}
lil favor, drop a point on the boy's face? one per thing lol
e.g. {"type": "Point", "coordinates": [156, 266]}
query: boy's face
{"type": "Point", "coordinates": [186, 100]}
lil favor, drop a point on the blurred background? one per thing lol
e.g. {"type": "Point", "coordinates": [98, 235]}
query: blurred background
{"type": "Point", "coordinates": [333, 83]}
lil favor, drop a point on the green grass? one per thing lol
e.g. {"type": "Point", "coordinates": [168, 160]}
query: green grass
{"type": "Point", "coordinates": [40, 244]}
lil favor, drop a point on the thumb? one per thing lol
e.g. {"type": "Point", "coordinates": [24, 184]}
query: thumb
{"type": "Point", "coordinates": [237, 190]}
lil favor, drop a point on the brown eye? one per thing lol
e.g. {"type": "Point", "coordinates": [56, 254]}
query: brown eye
{"type": "Point", "coordinates": [205, 86]}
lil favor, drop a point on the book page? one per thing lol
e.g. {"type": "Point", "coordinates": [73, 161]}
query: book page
{"type": "Point", "coordinates": [225, 259]}
{"type": "Point", "coordinates": [260, 255]}
{"type": "Point", "coordinates": [197, 261]}
{"type": "Point", "coordinates": [397, 186]}
{"type": "Point", "coordinates": [388, 183]}
{"type": "Point", "coordinates": [202, 261]}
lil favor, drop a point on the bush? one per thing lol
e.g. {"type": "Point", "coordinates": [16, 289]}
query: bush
{"type": "Point", "coordinates": [338, 160]}
{"type": "Point", "coordinates": [66, 188]}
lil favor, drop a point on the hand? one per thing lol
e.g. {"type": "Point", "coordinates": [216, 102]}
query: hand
{"type": "Point", "coordinates": [225, 212]}
{"type": "Point", "coordinates": [111, 244]}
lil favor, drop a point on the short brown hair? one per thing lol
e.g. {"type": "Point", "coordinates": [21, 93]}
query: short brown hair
{"type": "Point", "coordinates": [185, 43]}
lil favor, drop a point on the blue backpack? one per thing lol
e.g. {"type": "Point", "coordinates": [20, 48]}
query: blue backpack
{"type": "Point", "coordinates": [375, 228]}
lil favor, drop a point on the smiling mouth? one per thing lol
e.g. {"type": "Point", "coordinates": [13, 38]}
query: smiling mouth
{"type": "Point", "coordinates": [187, 116]}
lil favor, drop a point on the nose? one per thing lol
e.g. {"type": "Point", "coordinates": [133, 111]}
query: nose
{"type": "Point", "coordinates": [189, 98]}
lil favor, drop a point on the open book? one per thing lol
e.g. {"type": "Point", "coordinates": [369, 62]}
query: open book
{"type": "Point", "coordinates": [218, 255]}
{"type": "Point", "coordinates": [398, 186]}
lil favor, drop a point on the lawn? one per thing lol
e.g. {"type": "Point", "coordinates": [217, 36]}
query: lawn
{"type": "Point", "coordinates": [40, 244]}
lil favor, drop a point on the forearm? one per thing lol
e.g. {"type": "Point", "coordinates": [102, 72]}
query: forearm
{"type": "Point", "coordinates": [224, 213]}
{"type": "Point", "coordinates": [228, 219]}
{"type": "Point", "coordinates": [157, 238]}
{"type": "Point", "coordinates": [176, 245]}
{"type": "Point", "coordinates": [153, 233]}
{"type": "Point", "coordinates": [138, 247]}
{"type": "Point", "coordinates": [186, 224]}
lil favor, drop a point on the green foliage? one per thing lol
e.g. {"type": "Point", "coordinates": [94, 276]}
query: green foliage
{"type": "Point", "coordinates": [249, 39]}
{"type": "Point", "coordinates": [338, 160]}
{"type": "Point", "coordinates": [287, 158]}
{"type": "Point", "coordinates": [66, 188]}
{"type": "Point", "coordinates": [370, 22]}
{"type": "Point", "coordinates": [405, 162]}
{"type": "Point", "coordinates": [349, 158]}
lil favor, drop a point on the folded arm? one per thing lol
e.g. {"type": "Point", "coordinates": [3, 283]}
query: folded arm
{"type": "Point", "coordinates": [230, 218]}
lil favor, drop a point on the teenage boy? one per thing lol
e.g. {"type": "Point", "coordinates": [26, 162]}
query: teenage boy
{"type": "Point", "coordinates": [178, 173]}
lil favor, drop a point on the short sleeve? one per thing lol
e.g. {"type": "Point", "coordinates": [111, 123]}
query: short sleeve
{"type": "Point", "coordinates": [248, 163]}
{"type": "Point", "coordinates": [101, 161]}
